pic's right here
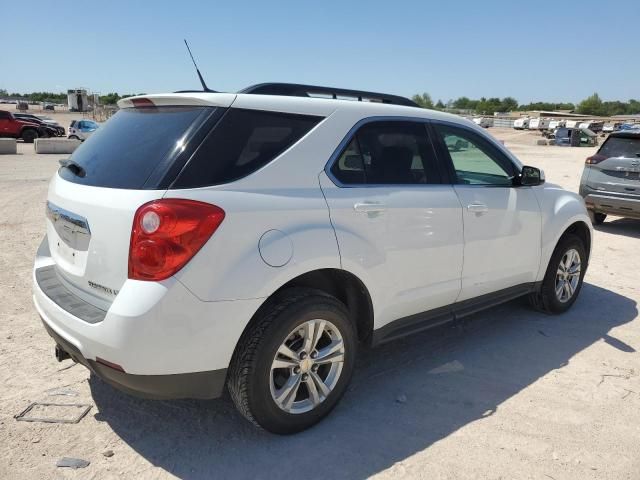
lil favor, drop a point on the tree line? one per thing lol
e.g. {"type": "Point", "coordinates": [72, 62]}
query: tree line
{"type": "Point", "coordinates": [592, 105]}
{"type": "Point", "coordinates": [52, 97]}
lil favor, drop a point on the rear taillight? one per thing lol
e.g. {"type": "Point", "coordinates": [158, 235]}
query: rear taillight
{"type": "Point", "coordinates": [167, 233]}
{"type": "Point", "coordinates": [592, 160]}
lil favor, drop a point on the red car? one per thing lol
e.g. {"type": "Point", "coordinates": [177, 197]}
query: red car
{"type": "Point", "coordinates": [12, 127]}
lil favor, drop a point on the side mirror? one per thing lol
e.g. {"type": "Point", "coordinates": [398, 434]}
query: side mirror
{"type": "Point", "coordinates": [530, 176]}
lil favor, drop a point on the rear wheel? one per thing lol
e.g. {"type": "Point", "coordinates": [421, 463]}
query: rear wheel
{"type": "Point", "coordinates": [293, 365]}
{"type": "Point", "coordinates": [597, 218]}
{"type": "Point", "coordinates": [73, 137]}
{"type": "Point", "coordinates": [563, 280]}
{"type": "Point", "coordinates": [28, 136]}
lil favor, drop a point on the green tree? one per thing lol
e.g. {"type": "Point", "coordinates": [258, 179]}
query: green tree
{"type": "Point", "coordinates": [110, 98]}
{"type": "Point", "coordinates": [440, 105]}
{"type": "Point", "coordinates": [591, 105]}
{"type": "Point", "coordinates": [423, 100]}
{"type": "Point", "coordinates": [508, 104]}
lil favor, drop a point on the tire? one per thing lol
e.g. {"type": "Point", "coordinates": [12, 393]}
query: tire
{"type": "Point", "coordinates": [73, 137]}
{"type": "Point", "coordinates": [547, 299]}
{"type": "Point", "coordinates": [597, 218]}
{"type": "Point", "coordinates": [253, 386]}
{"type": "Point", "coordinates": [28, 136]}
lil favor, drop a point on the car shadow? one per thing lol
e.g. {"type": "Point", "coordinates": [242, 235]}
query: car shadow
{"type": "Point", "coordinates": [621, 226]}
{"type": "Point", "coordinates": [396, 405]}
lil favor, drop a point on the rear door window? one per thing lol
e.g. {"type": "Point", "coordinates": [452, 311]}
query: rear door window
{"type": "Point", "coordinates": [388, 153]}
{"type": "Point", "coordinates": [621, 147]}
{"type": "Point", "coordinates": [242, 142]}
{"type": "Point", "coordinates": [132, 145]}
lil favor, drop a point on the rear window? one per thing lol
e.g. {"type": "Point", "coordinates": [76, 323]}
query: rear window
{"type": "Point", "coordinates": [243, 142]}
{"type": "Point", "coordinates": [621, 147]}
{"type": "Point", "coordinates": [133, 144]}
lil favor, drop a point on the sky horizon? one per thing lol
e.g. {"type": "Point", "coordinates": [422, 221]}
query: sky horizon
{"type": "Point", "coordinates": [472, 49]}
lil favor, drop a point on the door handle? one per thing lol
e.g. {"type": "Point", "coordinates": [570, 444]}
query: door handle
{"type": "Point", "coordinates": [478, 208]}
{"type": "Point", "coordinates": [368, 207]}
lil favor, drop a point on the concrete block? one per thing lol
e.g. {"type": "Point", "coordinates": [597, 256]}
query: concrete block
{"type": "Point", "coordinates": [8, 146]}
{"type": "Point", "coordinates": [56, 145]}
{"type": "Point", "coordinates": [541, 142]}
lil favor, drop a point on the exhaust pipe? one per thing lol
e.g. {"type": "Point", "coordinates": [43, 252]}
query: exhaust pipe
{"type": "Point", "coordinates": [61, 354]}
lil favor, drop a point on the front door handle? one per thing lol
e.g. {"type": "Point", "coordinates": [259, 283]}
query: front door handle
{"type": "Point", "coordinates": [478, 208]}
{"type": "Point", "coordinates": [368, 207]}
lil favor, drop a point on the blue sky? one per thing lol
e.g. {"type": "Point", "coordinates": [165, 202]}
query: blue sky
{"type": "Point", "coordinates": [529, 50]}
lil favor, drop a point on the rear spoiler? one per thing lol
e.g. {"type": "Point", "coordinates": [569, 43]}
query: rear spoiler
{"type": "Point", "coordinates": [179, 99]}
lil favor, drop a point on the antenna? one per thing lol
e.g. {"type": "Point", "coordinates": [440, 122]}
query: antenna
{"type": "Point", "coordinates": [204, 85]}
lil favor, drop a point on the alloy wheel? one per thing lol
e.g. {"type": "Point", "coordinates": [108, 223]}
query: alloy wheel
{"type": "Point", "coordinates": [307, 366]}
{"type": "Point", "coordinates": [568, 275]}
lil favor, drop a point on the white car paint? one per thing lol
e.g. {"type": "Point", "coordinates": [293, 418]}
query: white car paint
{"type": "Point", "coordinates": [421, 248]}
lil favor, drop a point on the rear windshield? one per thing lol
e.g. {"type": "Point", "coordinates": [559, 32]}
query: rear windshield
{"type": "Point", "coordinates": [132, 145]}
{"type": "Point", "coordinates": [621, 147]}
{"type": "Point", "coordinates": [241, 143]}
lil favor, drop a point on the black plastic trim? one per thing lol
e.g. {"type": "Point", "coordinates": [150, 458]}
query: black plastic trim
{"type": "Point", "coordinates": [300, 90]}
{"type": "Point", "coordinates": [200, 385]}
{"type": "Point", "coordinates": [439, 316]}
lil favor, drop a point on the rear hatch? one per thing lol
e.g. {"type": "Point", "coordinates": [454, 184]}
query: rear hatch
{"type": "Point", "coordinates": [616, 166]}
{"type": "Point", "coordinates": [92, 199]}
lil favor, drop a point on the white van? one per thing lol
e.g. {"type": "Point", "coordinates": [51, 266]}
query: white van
{"type": "Point", "coordinates": [521, 124]}
{"type": "Point", "coordinates": [538, 124]}
{"type": "Point", "coordinates": [484, 122]}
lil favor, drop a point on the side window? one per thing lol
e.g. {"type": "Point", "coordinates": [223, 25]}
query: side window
{"type": "Point", "coordinates": [475, 161]}
{"type": "Point", "coordinates": [4, 115]}
{"type": "Point", "coordinates": [388, 153]}
{"type": "Point", "coordinates": [241, 143]}
{"type": "Point", "coordinates": [349, 168]}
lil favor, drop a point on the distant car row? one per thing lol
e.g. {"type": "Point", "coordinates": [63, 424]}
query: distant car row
{"type": "Point", "coordinates": [550, 124]}
{"type": "Point", "coordinates": [28, 127]}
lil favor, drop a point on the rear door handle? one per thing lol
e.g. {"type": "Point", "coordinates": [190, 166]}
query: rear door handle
{"type": "Point", "coordinates": [478, 208]}
{"type": "Point", "coordinates": [369, 207]}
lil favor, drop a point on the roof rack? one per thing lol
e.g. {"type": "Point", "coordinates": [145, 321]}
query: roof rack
{"type": "Point", "coordinates": [298, 90]}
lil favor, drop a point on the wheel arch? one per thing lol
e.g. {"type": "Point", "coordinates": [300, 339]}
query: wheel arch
{"type": "Point", "coordinates": [582, 231]}
{"type": "Point", "coordinates": [341, 284]}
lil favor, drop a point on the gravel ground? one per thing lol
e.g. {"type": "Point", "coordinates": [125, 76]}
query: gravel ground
{"type": "Point", "coordinates": [510, 394]}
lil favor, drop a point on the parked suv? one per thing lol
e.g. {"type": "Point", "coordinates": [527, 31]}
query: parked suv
{"type": "Point", "coordinates": [610, 182]}
{"type": "Point", "coordinates": [257, 240]}
{"type": "Point", "coordinates": [13, 127]}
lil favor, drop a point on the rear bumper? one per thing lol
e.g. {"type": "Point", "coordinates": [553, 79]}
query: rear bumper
{"type": "Point", "coordinates": [201, 385]}
{"type": "Point", "coordinates": [613, 204]}
{"type": "Point", "coordinates": [170, 343]}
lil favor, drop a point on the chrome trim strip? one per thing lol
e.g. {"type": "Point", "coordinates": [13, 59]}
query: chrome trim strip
{"type": "Point", "coordinates": [55, 213]}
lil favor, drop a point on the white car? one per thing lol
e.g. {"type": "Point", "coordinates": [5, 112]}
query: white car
{"type": "Point", "coordinates": [82, 129]}
{"type": "Point", "coordinates": [255, 240]}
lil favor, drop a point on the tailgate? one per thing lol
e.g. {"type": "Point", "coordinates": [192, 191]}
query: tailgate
{"type": "Point", "coordinates": [89, 230]}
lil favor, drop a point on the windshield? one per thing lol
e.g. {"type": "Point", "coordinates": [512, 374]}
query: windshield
{"type": "Point", "coordinates": [127, 149]}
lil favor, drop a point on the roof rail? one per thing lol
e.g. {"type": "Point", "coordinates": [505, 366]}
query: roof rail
{"type": "Point", "coordinates": [298, 90]}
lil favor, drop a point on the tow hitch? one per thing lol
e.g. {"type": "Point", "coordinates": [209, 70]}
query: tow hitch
{"type": "Point", "coordinates": [61, 354]}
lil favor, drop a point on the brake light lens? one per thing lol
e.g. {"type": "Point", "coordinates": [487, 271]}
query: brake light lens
{"type": "Point", "coordinates": [592, 160]}
{"type": "Point", "coordinates": [167, 233]}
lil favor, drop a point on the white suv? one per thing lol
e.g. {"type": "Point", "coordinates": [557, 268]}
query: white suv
{"type": "Point", "coordinates": [254, 240]}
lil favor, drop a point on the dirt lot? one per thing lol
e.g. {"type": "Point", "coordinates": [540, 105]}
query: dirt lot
{"type": "Point", "coordinates": [513, 394]}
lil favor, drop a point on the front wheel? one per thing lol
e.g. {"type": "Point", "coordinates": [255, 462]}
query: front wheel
{"type": "Point", "coordinates": [292, 366]}
{"type": "Point", "coordinates": [563, 280]}
{"type": "Point", "coordinates": [28, 136]}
